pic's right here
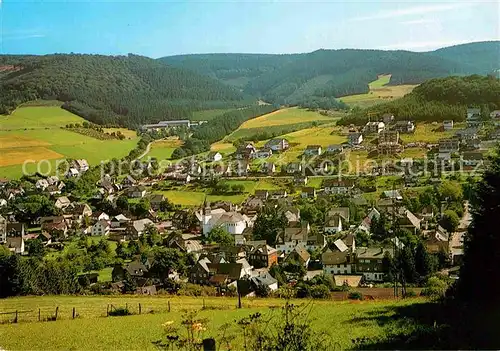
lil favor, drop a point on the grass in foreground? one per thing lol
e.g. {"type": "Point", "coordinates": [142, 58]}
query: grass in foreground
{"type": "Point", "coordinates": [342, 321]}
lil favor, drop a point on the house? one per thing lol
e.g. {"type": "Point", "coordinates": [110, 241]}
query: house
{"type": "Point", "coordinates": [366, 223]}
{"type": "Point", "coordinates": [268, 168]}
{"type": "Point", "coordinates": [156, 200]}
{"type": "Point", "coordinates": [448, 125]}
{"type": "Point", "coordinates": [15, 244]}
{"type": "Point", "coordinates": [200, 273]}
{"type": "Point", "coordinates": [136, 228]}
{"type": "Point", "coordinates": [119, 221]}
{"type": "Point", "coordinates": [299, 254]}
{"type": "Point", "coordinates": [355, 138]}
{"type": "Point", "coordinates": [404, 126]}
{"type": "Point", "coordinates": [3, 229]}
{"type": "Point", "coordinates": [254, 203]}
{"type": "Point", "coordinates": [278, 194]}
{"type": "Point", "coordinates": [262, 256]}
{"type": "Point", "coordinates": [334, 149]}
{"type": "Point", "coordinates": [449, 145]}
{"type": "Point", "coordinates": [214, 156]}
{"type": "Point", "coordinates": [369, 262]}
{"type": "Point", "coordinates": [473, 117]}
{"type": "Point", "coordinates": [338, 186]}
{"type": "Point", "coordinates": [56, 226]}
{"type": "Point", "coordinates": [308, 192]}
{"type": "Point", "coordinates": [62, 202]}
{"type": "Point", "coordinates": [296, 233]}
{"type": "Point", "coordinates": [15, 229]}
{"type": "Point", "coordinates": [300, 180]}
{"type": "Point", "coordinates": [279, 144]}
{"type": "Point", "coordinates": [468, 134]}
{"type": "Point", "coordinates": [387, 118]}
{"type": "Point", "coordinates": [242, 167]}
{"type": "Point", "coordinates": [472, 158]}
{"type": "Point", "coordinates": [339, 259]}
{"type": "Point", "coordinates": [436, 241]}
{"type": "Point", "coordinates": [129, 181]}
{"type": "Point", "coordinates": [294, 167]}
{"type": "Point", "coordinates": [178, 177]}
{"type": "Point", "coordinates": [233, 222]}
{"type": "Point", "coordinates": [336, 219]}
{"type": "Point", "coordinates": [264, 280]}
{"type": "Point", "coordinates": [392, 194]}
{"type": "Point", "coordinates": [80, 165]}
{"type": "Point", "coordinates": [245, 152]}
{"type": "Point", "coordinates": [388, 143]}
{"type": "Point", "coordinates": [136, 192]}
{"type": "Point", "coordinates": [222, 170]}
{"type": "Point", "coordinates": [313, 150]}
{"type": "Point", "coordinates": [406, 219]}
{"type": "Point", "coordinates": [41, 184]}
{"type": "Point", "coordinates": [79, 211]}
{"type": "Point", "coordinates": [101, 228]}
{"type": "Point", "coordinates": [262, 194]}
{"type": "Point", "coordinates": [100, 215]}
{"type": "Point", "coordinates": [373, 127]}
{"type": "Point", "coordinates": [263, 153]}
{"type": "Point", "coordinates": [352, 281]}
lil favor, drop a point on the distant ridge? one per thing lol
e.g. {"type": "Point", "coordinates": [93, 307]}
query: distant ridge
{"type": "Point", "coordinates": [315, 79]}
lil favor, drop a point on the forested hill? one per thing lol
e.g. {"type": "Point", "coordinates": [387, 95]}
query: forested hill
{"type": "Point", "coordinates": [125, 90]}
{"type": "Point", "coordinates": [438, 100]}
{"type": "Point", "coordinates": [316, 78]}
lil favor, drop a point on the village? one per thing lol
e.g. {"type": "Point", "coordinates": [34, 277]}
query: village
{"type": "Point", "coordinates": [334, 237]}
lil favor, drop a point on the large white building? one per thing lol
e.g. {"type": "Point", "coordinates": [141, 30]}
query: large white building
{"type": "Point", "coordinates": [233, 222]}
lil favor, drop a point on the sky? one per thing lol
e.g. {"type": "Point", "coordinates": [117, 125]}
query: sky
{"type": "Point", "coordinates": [163, 28]}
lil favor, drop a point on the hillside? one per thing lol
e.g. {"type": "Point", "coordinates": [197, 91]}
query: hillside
{"type": "Point", "coordinates": [315, 79]}
{"type": "Point", "coordinates": [122, 90]}
{"type": "Point", "coordinates": [437, 100]}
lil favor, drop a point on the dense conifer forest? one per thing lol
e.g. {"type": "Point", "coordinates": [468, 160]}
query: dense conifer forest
{"type": "Point", "coordinates": [121, 90]}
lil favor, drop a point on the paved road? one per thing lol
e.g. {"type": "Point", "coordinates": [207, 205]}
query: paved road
{"type": "Point", "coordinates": [466, 219]}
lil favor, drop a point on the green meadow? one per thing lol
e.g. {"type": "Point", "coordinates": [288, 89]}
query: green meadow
{"type": "Point", "coordinates": [92, 330]}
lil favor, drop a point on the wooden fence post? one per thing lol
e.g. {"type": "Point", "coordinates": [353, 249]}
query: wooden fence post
{"type": "Point", "coordinates": [57, 311]}
{"type": "Point", "coordinates": [17, 315]}
{"type": "Point", "coordinates": [39, 315]}
{"type": "Point", "coordinates": [107, 310]}
{"type": "Point", "coordinates": [140, 309]}
{"type": "Point", "coordinates": [204, 304]}
{"type": "Point", "coordinates": [126, 306]}
{"type": "Point", "coordinates": [74, 313]}
{"type": "Point", "coordinates": [169, 306]}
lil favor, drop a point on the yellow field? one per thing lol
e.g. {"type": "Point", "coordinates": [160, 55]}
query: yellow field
{"type": "Point", "coordinates": [223, 147]}
{"type": "Point", "coordinates": [16, 140]}
{"type": "Point", "coordinates": [316, 136]}
{"type": "Point", "coordinates": [18, 155]}
{"type": "Point", "coordinates": [283, 117]}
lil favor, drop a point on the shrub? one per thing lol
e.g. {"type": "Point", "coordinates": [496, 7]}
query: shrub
{"type": "Point", "coordinates": [189, 289]}
{"type": "Point", "coordinates": [320, 292]}
{"type": "Point", "coordinates": [411, 293]}
{"type": "Point", "coordinates": [355, 295]}
{"type": "Point", "coordinates": [120, 311]}
{"type": "Point", "coordinates": [435, 288]}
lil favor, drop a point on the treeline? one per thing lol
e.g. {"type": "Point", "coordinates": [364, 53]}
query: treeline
{"type": "Point", "coordinates": [218, 128]}
{"type": "Point", "coordinates": [437, 100]}
{"type": "Point", "coordinates": [120, 90]}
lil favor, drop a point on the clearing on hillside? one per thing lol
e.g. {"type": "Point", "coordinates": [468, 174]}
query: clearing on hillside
{"type": "Point", "coordinates": [37, 133]}
{"type": "Point", "coordinates": [163, 149]}
{"type": "Point", "coordinates": [379, 92]}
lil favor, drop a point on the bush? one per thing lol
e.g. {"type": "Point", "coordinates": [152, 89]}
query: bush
{"type": "Point", "coordinates": [435, 288]}
{"type": "Point", "coordinates": [189, 289]}
{"type": "Point", "coordinates": [120, 311]}
{"type": "Point", "coordinates": [355, 295]}
{"type": "Point", "coordinates": [320, 292]}
{"type": "Point", "coordinates": [411, 293]}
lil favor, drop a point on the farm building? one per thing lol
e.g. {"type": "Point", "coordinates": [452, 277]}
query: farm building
{"type": "Point", "coordinates": [277, 144]}
{"type": "Point", "coordinates": [355, 138]}
{"type": "Point", "coordinates": [388, 143]}
{"type": "Point", "coordinates": [373, 127]}
{"type": "Point", "coordinates": [404, 127]}
{"type": "Point", "coordinates": [448, 125]}
{"type": "Point", "coordinates": [313, 150]}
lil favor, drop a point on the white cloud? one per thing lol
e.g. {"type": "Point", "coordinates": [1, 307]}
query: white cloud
{"type": "Point", "coordinates": [22, 37]}
{"type": "Point", "coordinates": [417, 10]}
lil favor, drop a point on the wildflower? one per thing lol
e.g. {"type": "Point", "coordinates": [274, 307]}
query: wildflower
{"type": "Point", "coordinates": [197, 327]}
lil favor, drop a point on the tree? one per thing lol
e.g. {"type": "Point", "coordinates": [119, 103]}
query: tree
{"type": "Point", "coordinates": [122, 203]}
{"type": "Point", "coordinates": [220, 236]}
{"type": "Point", "coordinates": [450, 221]}
{"type": "Point", "coordinates": [450, 191]}
{"type": "Point", "coordinates": [269, 223]}
{"type": "Point", "coordinates": [121, 251]}
{"type": "Point", "coordinates": [238, 188]}
{"type": "Point", "coordinates": [425, 264]}
{"type": "Point", "coordinates": [142, 208]}
{"type": "Point", "coordinates": [481, 254]}
{"type": "Point", "coordinates": [35, 248]}
{"type": "Point", "coordinates": [166, 261]}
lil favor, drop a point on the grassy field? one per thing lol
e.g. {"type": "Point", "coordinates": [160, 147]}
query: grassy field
{"type": "Point", "coordinates": [34, 133]}
{"type": "Point", "coordinates": [429, 133]}
{"type": "Point", "coordinates": [341, 321]}
{"type": "Point", "coordinates": [163, 149]}
{"type": "Point", "coordinates": [379, 92]}
{"type": "Point", "coordinates": [223, 147]}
